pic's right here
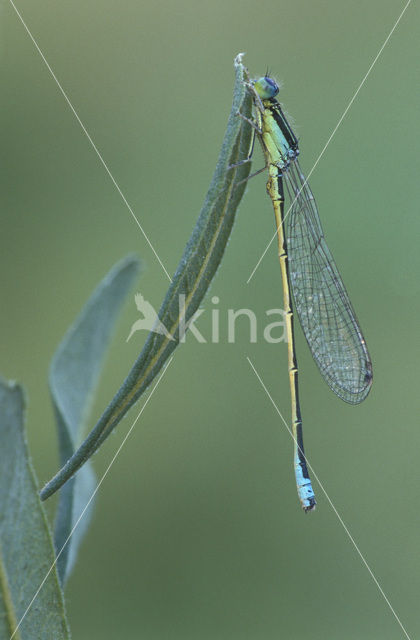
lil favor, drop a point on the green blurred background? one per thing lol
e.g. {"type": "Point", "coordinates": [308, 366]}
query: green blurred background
{"type": "Point", "coordinates": [198, 532]}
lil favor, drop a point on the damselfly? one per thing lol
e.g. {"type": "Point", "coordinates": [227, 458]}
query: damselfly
{"type": "Point", "coordinates": [309, 271]}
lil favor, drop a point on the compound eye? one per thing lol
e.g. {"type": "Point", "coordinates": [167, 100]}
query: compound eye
{"type": "Point", "coordinates": [266, 88]}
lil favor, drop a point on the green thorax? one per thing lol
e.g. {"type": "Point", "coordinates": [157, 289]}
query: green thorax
{"type": "Point", "coordinates": [279, 142]}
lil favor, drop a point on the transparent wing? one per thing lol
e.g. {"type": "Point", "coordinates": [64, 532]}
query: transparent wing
{"type": "Point", "coordinates": [322, 303]}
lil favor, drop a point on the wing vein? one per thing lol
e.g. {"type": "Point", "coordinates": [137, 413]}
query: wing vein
{"type": "Point", "coordinates": [323, 306]}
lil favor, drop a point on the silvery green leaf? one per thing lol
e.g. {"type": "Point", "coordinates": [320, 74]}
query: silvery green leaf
{"type": "Point", "coordinates": [74, 374]}
{"type": "Point", "coordinates": [199, 262]}
{"type": "Point", "coordinates": [26, 548]}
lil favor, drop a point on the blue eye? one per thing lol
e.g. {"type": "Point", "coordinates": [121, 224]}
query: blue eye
{"type": "Point", "coordinates": [273, 85]}
{"type": "Point", "coordinates": [266, 88]}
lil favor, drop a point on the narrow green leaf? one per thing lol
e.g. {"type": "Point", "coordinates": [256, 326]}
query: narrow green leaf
{"type": "Point", "coordinates": [202, 256]}
{"type": "Point", "coordinates": [74, 374]}
{"type": "Point", "coordinates": [26, 549]}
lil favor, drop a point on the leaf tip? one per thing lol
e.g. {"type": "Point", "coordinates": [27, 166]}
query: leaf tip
{"type": "Point", "coordinates": [238, 59]}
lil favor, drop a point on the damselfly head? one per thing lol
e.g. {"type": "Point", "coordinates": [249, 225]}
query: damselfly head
{"type": "Point", "coordinates": [266, 87]}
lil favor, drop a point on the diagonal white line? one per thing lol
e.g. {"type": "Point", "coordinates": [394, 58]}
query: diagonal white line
{"type": "Point", "coordinates": [95, 148]}
{"type": "Point", "coordinates": [340, 519]}
{"type": "Point", "coordinates": [333, 132]}
{"type": "Point", "coordinates": [91, 497]}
